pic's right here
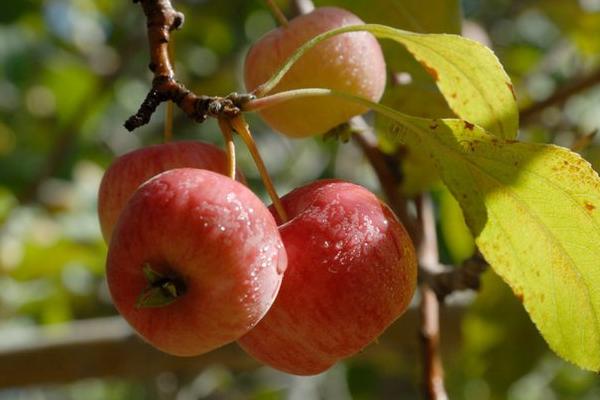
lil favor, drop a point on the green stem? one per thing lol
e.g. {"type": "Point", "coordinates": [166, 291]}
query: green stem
{"type": "Point", "coordinates": [274, 99]}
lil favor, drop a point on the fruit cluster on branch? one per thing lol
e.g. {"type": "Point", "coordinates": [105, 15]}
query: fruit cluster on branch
{"type": "Point", "coordinates": [197, 261]}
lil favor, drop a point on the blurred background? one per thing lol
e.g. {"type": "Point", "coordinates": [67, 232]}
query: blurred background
{"type": "Point", "coordinates": [72, 71]}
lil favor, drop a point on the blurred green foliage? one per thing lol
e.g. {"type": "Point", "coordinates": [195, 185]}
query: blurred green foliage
{"type": "Point", "coordinates": [72, 71]}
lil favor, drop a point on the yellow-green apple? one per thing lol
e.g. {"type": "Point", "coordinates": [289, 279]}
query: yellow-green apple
{"type": "Point", "coordinates": [351, 62]}
{"type": "Point", "coordinates": [129, 171]}
{"type": "Point", "coordinates": [195, 261]}
{"type": "Point", "coordinates": [351, 273]}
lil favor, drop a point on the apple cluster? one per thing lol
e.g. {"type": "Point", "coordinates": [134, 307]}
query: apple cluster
{"type": "Point", "coordinates": [196, 260]}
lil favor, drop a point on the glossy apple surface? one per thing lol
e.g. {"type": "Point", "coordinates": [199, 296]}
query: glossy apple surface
{"type": "Point", "coordinates": [351, 62]}
{"type": "Point", "coordinates": [213, 237]}
{"type": "Point", "coordinates": [129, 171]}
{"type": "Point", "coordinates": [351, 273]}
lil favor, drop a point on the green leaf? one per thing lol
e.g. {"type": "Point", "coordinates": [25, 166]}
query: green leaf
{"type": "Point", "coordinates": [468, 74]}
{"type": "Point", "coordinates": [534, 210]}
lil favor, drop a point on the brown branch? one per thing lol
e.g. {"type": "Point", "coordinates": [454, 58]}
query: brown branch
{"type": "Point", "coordinates": [105, 347]}
{"type": "Point", "coordinates": [447, 279]}
{"type": "Point", "coordinates": [162, 19]}
{"type": "Point", "coordinates": [388, 173]}
{"type": "Point", "coordinates": [433, 371]}
{"type": "Point", "coordinates": [561, 95]}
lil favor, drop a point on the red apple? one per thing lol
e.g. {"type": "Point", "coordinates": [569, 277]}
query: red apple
{"type": "Point", "coordinates": [351, 62]}
{"type": "Point", "coordinates": [129, 171]}
{"type": "Point", "coordinates": [195, 261]}
{"type": "Point", "coordinates": [351, 272]}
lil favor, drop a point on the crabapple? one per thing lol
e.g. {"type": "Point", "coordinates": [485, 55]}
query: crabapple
{"type": "Point", "coordinates": [351, 62]}
{"type": "Point", "coordinates": [195, 261]}
{"type": "Point", "coordinates": [351, 272]}
{"type": "Point", "coordinates": [129, 171]}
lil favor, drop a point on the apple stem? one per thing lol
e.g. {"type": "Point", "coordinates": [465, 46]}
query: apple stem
{"type": "Point", "coordinates": [229, 147]}
{"type": "Point", "coordinates": [168, 131]}
{"type": "Point", "coordinates": [241, 127]}
{"type": "Point", "coordinates": [161, 290]}
{"type": "Point", "coordinates": [277, 13]}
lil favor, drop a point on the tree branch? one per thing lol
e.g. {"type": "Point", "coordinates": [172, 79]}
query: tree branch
{"type": "Point", "coordinates": [433, 386]}
{"type": "Point", "coordinates": [448, 279]}
{"type": "Point", "coordinates": [561, 95]}
{"type": "Point", "coordinates": [162, 19]}
{"type": "Point", "coordinates": [387, 170]}
{"type": "Point", "coordinates": [107, 347]}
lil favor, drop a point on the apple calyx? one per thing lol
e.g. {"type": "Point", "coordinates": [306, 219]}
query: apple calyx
{"type": "Point", "coordinates": [161, 290]}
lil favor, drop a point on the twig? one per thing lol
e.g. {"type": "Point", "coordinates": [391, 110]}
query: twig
{"type": "Point", "coordinates": [584, 141]}
{"type": "Point", "coordinates": [561, 95]}
{"type": "Point", "coordinates": [446, 279]}
{"type": "Point", "coordinates": [433, 385]}
{"type": "Point", "coordinates": [387, 170]}
{"type": "Point", "coordinates": [277, 13]}
{"type": "Point", "coordinates": [162, 18]}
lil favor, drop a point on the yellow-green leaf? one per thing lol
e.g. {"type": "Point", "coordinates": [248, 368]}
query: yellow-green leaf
{"type": "Point", "coordinates": [535, 212]}
{"type": "Point", "coordinates": [468, 74]}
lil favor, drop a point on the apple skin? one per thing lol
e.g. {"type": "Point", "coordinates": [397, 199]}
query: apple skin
{"type": "Point", "coordinates": [351, 272]}
{"type": "Point", "coordinates": [130, 170]}
{"type": "Point", "coordinates": [214, 235]}
{"type": "Point", "coordinates": [351, 62]}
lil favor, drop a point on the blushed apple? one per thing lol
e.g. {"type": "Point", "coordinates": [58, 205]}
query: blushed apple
{"type": "Point", "coordinates": [195, 261]}
{"type": "Point", "coordinates": [351, 272]}
{"type": "Point", "coordinates": [351, 62]}
{"type": "Point", "coordinates": [129, 171]}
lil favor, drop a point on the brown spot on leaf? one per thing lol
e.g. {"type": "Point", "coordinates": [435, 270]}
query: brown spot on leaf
{"type": "Point", "coordinates": [520, 297]}
{"type": "Point", "coordinates": [512, 90]}
{"type": "Point", "coordinates": [469, 125]}
{"type": "Point", "coordinates": [453, 95]}
{"type": "Point", "coordinates": [589, 206]}
{"type": "Point", "coordinates": [431, 71]}
{"type": "Point", "coordinates": [433, 125]}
